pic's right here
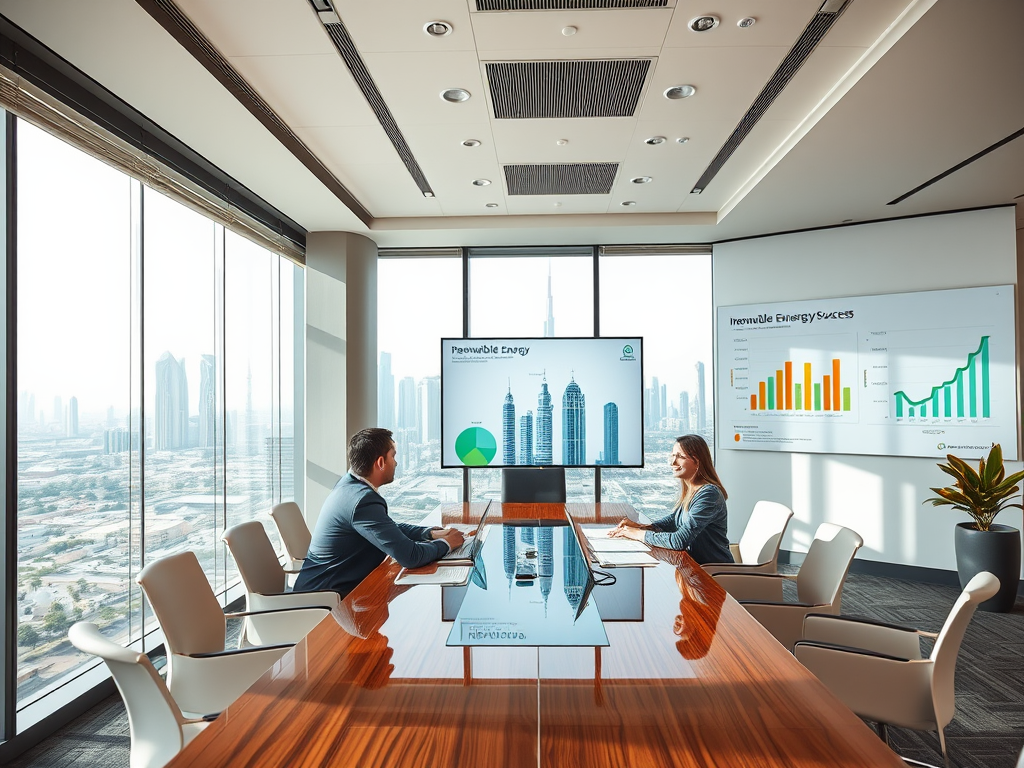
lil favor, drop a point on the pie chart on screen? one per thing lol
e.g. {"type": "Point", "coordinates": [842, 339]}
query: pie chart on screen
{"type": "Point", "coordinates": [475, 447]}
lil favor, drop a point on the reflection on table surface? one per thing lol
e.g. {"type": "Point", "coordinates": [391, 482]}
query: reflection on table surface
{"type": "Point", "coordinates": [696, 682]}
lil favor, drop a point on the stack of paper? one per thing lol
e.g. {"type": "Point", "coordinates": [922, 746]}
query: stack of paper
{"type": "Point", "coordinates": [615, 552]}
{"type": "Point", "coordinates": [448, 575]}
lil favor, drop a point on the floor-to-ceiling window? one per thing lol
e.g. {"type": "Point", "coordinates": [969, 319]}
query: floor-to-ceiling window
{"type": "Point", "coordinates": [156, 390]}
{"type": "Point", "coordinates": [419, 303]}
{"type": "Point", "coordinates": [666, 299]}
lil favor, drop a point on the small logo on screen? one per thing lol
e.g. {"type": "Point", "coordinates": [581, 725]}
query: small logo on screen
{"type": "Point", "coordinates": [941, 446]}
{"type": "Point", "coordinates": [627, 353]}
{"type": "Point", "coordinates": [475, 447]}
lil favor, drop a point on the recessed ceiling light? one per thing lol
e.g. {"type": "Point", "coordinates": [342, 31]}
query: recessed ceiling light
{"type": "Point", "coordinates": [642, 180]}
{"type": "Point", "coordinates": [628, 202]}
{"type": "Point", "coordinates": [428, 194]}
{"type": "Point", "coordinates": [471, 143]}
{"type": "Point", "coordinates": [680, 92]}
{"type": "Point", "coordinates": [558, 205]}
{"type": "Point", "coordinates": [492, 205]}
{"type": "Point", "coordinates": [569, 31]}
{"type": "Point", "coordinates": [437, 28]}
{"type": "Point", "coordinates": [455, 95]}
{"type": "Point", "coordinates": [696, 191]}
{"type": "Point", "coordinates": [703, 23]}
{"type": "Point", "coordinates": [682, 139]}
{"type": "Point", "coordinates": [562, 142]}
{"type": "Point", "coordinates": [748, 21]}
{"type": "Point", "coordinates": [655, 140]}
{"type": "Point", "coordinates": [481, 182]}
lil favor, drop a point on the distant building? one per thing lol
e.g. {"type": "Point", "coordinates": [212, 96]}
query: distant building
{"type": "Point", "coordinates": [407, 406]}
{"type": "Point", "coordinates": [116, 441]}
{"type": "Point", "coordinates": [701, 401]}
{"type": "Point", "coordinates": [549, 323]}
{"type": "Point", "coordinates": [171, 404]}
{"type": "Point", "coordinates": [72, 421]}
{"type": "Point", "coordinates": [508, 429]}
{"type": "Point", "coordinates": [207, 401]}
{"type": "Point", "coordinates": [526, 438]}
{"type": "Point", "coordinates": [430, 408]}
{"type": "Point", "coordinates": [684, 410]}
{"type": "Point", "coordinates": [574, 425]}
{"type": "Point", "coordinates": [655, 412]}
{"type": "Point", "coordinates": [385, 393]}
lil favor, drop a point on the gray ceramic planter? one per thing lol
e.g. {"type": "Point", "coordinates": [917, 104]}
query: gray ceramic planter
{"type": "Point", "coordinates": [997, 551]}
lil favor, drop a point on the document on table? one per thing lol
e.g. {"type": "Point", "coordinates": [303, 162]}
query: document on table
{"type": "Point", "coordinates": [447, 575]}
{"type": "Point", "coordinates": [624, 559]}
{"type": "Point", "coordinates": [599, 541]}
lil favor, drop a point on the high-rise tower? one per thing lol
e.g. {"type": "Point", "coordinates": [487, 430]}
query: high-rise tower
{"type": "Point", "coordinates": [385, 392]}
{"type": "Point", "coordinates": [207, 401]}
{"type": "Point", "coordinates": [549, 323]}
{"type": "Point", "coordinates": [574, 425]}
{"type": "Point", "coordinates": [171, 404]}
{"type": "Point", "coordinates": [684, 410]}
{"type": "Point", "coordinates": [611, 434]}
{"type": "Point", "coordinates": [544, 412]}
{"type": "Point", "coordinates": [526, 438]}
{"type": "Point", "coordinates": [72, 426]}
{"type": "Point", "coordinates": [407, 405]}
{"type": "Point", "coordinates": [701, 402]}
{"type": "Point", "coordinates": [508, 429]}
{"type": "Point", "coordinates": [430, 408]}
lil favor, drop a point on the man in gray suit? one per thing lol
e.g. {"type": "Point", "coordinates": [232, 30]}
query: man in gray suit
{"type": "Point", "coordinates": [354, 533]}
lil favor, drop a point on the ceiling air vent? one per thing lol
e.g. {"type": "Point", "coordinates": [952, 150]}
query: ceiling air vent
{"type": "Point", "coordinates": [539, 89]}
{"type": "Point", "coordinates": [561, 179]}
{"type": "Point", "coordinates": [819, 25]}
{"type": "Point", "coordinates": [564, 5]}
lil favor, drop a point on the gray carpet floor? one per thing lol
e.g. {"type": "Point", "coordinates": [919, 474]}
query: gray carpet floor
{"type": "Point", "coordinates": [988, 731]}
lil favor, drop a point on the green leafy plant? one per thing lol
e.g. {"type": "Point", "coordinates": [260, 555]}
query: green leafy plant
{"type": "Point", "coordinates": [982, 494]}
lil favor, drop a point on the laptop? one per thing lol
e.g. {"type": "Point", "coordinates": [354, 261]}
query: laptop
{"type": "Point", "coordinates": [469, 548]}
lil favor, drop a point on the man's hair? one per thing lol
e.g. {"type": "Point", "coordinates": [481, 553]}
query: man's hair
{"type": "Point", "coordinates": [365, 447]}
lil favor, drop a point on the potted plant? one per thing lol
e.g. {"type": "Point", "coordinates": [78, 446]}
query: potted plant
{"type": "Point", "coordinates": [984, 545]}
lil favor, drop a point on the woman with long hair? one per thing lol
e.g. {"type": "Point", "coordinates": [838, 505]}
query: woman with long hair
{"type": "Point", "coordinates": [699, 524]}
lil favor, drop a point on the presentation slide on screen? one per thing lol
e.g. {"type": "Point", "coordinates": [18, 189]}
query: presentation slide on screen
{"type": "Point", "coordinates": [533, 402]}
{"type": "Point", "coordinates": [909, 374]}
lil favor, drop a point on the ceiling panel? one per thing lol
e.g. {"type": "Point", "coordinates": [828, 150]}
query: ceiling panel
{"type": "Point", "coordinates": [307, 90]}
{"type": "Point", "coordinates": [608, 31]}
{"type": "Point", "coordinates": [397, 25]}
{"type": "Point", "coordinates": [536, 141]}
{"type": "Point", "coordinates": [776, 24]}
{"type": "Point", "coordinates": [386, 189]}
{"type": "Point", "coordinates": [557, 204]}
{"type": "Point", "coordinates": [259, 27]}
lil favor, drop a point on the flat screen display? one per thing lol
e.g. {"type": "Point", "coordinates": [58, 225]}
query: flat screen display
{"type": "Point", "coordinates": [542, 402]}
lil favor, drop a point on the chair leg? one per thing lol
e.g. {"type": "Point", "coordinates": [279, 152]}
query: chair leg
{"type": "Point", "coordinates": [942, 747]}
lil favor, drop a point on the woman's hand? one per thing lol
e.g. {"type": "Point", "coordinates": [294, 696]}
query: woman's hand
{"type": "Point", "coordinates": [634, 532]}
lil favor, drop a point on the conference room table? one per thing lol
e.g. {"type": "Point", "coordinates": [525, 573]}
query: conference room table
{"type": "Point", "coordinates": [686, 677]}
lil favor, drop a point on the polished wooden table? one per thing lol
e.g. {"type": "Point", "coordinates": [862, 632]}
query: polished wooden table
{"type": "Point", "coordinates": [696, 682]}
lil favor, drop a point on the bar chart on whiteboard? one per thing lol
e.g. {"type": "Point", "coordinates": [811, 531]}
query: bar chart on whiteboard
{"type": "Point", "coordinates": [917, 374]}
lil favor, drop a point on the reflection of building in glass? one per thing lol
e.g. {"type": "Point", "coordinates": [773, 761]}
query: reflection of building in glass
{"type": "Point", "coordinates": [207, 401]}
{"type": "Point", "coordinates": [574, 425]}
{"type": "Point", "coordinates": [526, 438]}
{"type": "Point", "coordinates": [544, 411]}
{"type": "Point", "coordinates": [574, 569]}
{"type": "Point", "coordinates": [385, 393]}
{"type": "Point", "coordinates": [684, 410]}
{"type": "Point", "coordinates": [701, 402]}
{"type": "Point", "coordinates": [171, 403]}
{"type": "Point", "coordinates": [546, 560]}
{"type": "Point", "coordinates": [508, 552]}
{"type": "Point", "coordinates": [72, 425]}
{"type": "Point", "coordinates": [610, 455]}
{"type": "Point", "coordinates": [430, 408]}
{"type": "Point", "coordinates": [407, 405]}
{"type": "Point", "coordinates": [508, 429]}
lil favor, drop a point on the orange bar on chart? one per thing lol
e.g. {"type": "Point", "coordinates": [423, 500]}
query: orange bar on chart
{"type": "Point", "coordinates": [778, 390]}
{"type": "Point", "coordinates": [836, 388]}
{"type": "Point", "coordinates": [807, 386]}
{"type": "Point", "coordinates": [789, 385]}
{"type": "Point", "coordinates": [826, 393]}
{"type": "Point", "coordinates": [753, 402]}
{"type": "Point", "coordinates": [761, 393]}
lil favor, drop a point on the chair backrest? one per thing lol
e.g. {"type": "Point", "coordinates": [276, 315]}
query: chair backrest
{"type": "Point", "coordinates": [533, 485]}
{"type": "Point", "coordinates": [823, 572]}
{"type": "Point", "coordinates": [762, 536]}
{"type": "Point", "coordinates": [947, 645]}
{"type": "Point", "coordinates": [254, 555]}
{"type": "Point", "coordinates": [183, 601]}
{"type": "Point", "coordinates": [292, 526]}
{"type": "Point", "coordinates": [154, 720]}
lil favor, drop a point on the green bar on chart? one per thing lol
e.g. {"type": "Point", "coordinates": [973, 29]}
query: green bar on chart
{"type": "Point", "coordinates": [959, 394]}
{"type": "Point", "coordinates": [846, 398]}
{"type": "Point", "coordinates": [771, 394]}
{"type": "Point", "coordinates": [899, 405]}
{"type": "Point", "coordinates": [817, 397]}
{"type": "Point", "coordinates": [985, 411]}
{"type": "Point", "coordinates": [798, 400]}
{"type": "Point", "coordinates": [947, 402]}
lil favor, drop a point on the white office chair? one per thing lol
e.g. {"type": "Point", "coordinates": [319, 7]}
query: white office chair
{"type": "Point", "coordinates": [758, 547]}
{"type": "Point", "coordinates": [877, 669]}
{"type": "Point", "coordinates": [294, 532]}
{"type": "Point", "coordinates": [264, 579]}
{"type": "Point", "coordinates": [202, 675]}
{"type": "Point", "coordinates": [819, 584]}
{"type": "Point", "coordinates": [158, 729]}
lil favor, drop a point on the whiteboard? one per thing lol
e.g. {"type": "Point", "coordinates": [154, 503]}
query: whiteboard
{"type": "Point", "coordinates": [906, 374]}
